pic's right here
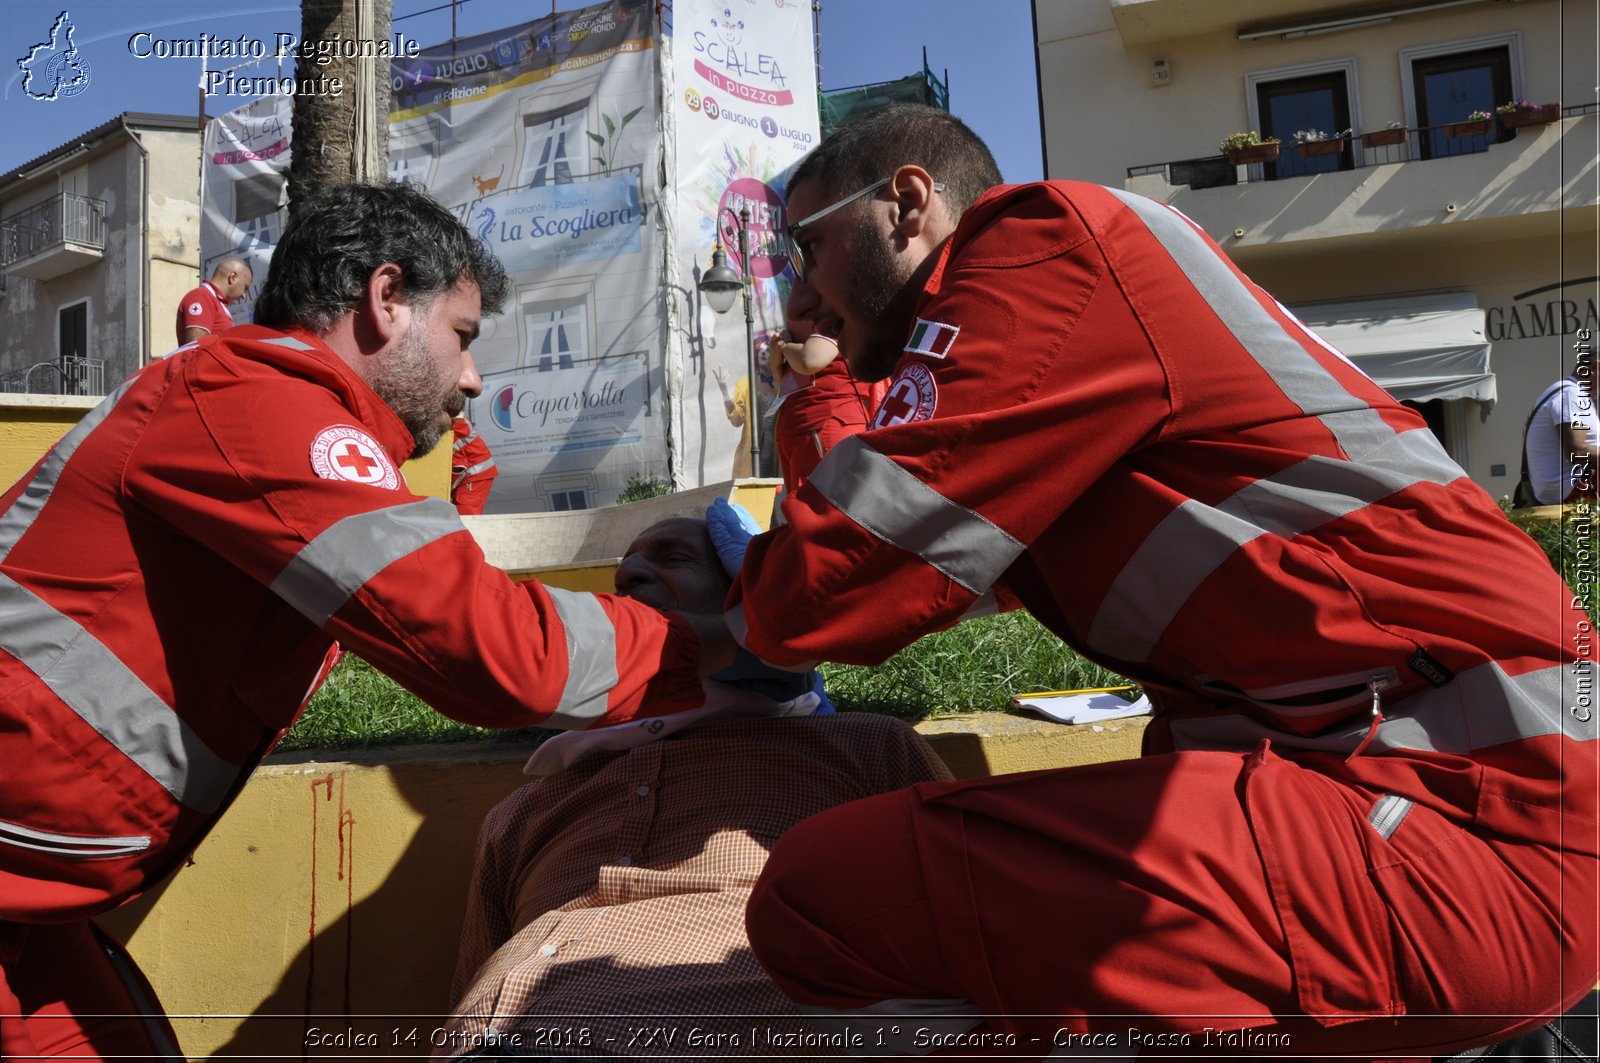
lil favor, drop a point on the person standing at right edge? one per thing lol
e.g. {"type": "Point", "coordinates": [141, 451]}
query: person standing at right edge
{"type": "Point", "coordinates": [1562, 440]}
{"type": "Point", "coordinates": [1365, 819]}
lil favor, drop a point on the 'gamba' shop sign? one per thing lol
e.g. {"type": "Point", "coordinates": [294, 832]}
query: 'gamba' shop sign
{"type": "Point", "coordinates": [1543, 311]}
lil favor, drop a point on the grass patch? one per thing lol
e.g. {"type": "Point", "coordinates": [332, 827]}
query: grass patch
{"type": "Point", "coordinates": [973, 667]}
{"type": "Point", "coordinates": [1570, 545]}
{"type": "Point", "coordinates": [360, 706]}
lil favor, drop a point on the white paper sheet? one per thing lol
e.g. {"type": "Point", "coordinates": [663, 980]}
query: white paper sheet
{"type": "Point", "coordinates": [1082, 708]}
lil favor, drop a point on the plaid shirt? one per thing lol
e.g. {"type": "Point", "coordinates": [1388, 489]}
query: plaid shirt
{"type": "Point", "coordinates": [606, 914]}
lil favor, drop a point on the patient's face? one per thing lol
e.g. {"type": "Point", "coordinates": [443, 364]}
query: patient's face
{"type": "Point", "coordinates": [672, 565]}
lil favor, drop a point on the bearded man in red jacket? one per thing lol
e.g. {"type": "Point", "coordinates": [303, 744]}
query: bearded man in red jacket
{"type": "Point", "coordinates": [178, 573]}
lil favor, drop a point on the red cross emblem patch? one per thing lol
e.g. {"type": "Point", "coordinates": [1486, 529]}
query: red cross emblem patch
{"type": "Point", "coordinates": [346, 453]}
{"type": "Point", "coordinates": [912, 397]}
{"type": "Point", "coordinates": [194, 309]}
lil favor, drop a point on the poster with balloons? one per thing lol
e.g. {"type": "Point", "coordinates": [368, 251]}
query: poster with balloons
{"type": "Point", "coordinates": [743, 103]}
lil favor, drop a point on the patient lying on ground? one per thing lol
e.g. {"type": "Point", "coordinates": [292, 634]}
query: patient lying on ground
{"type": "Point", "coordinates": [606, 914]}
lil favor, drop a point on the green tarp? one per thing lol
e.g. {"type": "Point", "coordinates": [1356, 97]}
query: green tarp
{"type": "Point", "coordinates": [841, 105]}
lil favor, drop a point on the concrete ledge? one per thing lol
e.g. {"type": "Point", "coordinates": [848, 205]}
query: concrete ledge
{"type": "Point", "coordinates": [336, 887]}
{"type": "Point", "coordinates": [998, 743]}
{"type": "Point", "coordinates": [570, 549]}
{"type": "Point", "coordinates": [1552, 514]}
{"type": "Point", "coordinates": [76, 404]}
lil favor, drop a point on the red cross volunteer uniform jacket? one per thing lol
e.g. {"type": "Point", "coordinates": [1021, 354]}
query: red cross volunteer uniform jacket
{"type": "Point", "coordinates": [472, 468]}
{"type": "Point", "coordinates": [174, 575]}
{"type": "Point", "coordinates": [203, 308]}
{"type": "Point", "coordinates": [1098, 411]}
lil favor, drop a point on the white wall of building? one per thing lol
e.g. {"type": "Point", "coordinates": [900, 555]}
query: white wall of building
{"type": "Point", "coordinates": [1516, 225]}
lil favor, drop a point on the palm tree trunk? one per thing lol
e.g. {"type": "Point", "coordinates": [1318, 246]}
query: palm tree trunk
{"type": "Point", "coordinates": [342, 137]}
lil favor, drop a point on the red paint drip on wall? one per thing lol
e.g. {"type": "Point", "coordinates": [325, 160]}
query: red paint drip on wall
{"type": "Point", "coordinates": [326, 782]}
{"type": "Point", "coordinates": [347, 872]}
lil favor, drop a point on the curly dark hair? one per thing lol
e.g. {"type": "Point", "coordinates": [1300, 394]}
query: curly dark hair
{"type": "Point", "coordinates": [867, 148]}
{"type": "Point", "coordinates": [329, 250]}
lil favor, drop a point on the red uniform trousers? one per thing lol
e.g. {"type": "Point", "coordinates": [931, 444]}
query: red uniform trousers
{"type": "Point", "coordinates": [1208, 882]}
{"type": "Point", "coordinates": [69, 990]}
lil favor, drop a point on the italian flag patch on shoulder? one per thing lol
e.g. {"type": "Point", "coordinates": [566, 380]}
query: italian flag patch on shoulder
{"type": "Point", "coordinates": [932, 338]}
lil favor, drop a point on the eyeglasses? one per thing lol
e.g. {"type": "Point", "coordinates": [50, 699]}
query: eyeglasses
{"type": "Point", "coordinates": [797, 256]}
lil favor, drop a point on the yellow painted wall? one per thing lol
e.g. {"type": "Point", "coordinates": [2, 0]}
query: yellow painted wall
{"type": "Point", "coordinates": [336, 888]}
{"type": "Point", "coordinates": [31, 424]}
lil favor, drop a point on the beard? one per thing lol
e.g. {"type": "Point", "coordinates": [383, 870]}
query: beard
{"type": "Point", "coordinates": [885, 300]}
{"type": "Point", "coordinates": [407, 381]}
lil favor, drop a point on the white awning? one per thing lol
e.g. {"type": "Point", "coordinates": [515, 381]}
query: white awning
{"type": "Point", "coordinates": [1417, 347]}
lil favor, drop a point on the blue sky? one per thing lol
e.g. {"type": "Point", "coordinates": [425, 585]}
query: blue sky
{"type": "Point", "coordinates": [989, 58]}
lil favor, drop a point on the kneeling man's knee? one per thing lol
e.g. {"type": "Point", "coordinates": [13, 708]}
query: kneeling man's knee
{"type": "Point", "coordinates": [839, 898]}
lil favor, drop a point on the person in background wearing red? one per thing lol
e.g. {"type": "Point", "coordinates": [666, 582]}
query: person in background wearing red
{"type": "Point", "coordinates": [204, 310]}
{"type": "Point", "coordinates": [472, 469]}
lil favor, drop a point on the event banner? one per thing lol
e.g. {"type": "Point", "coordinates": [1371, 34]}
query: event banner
{"type": "Point", "coordinates": [743, 109]}
{"type": "Point", "coordinates": [244, 158]}
{"type": "Point", "coordinates": [545, 139]}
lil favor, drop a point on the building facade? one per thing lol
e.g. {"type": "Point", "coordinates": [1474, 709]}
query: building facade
{"type": "Point", "coordinates": [1454, 259]}
{"type": "Point", "coordinates": [99, 240]}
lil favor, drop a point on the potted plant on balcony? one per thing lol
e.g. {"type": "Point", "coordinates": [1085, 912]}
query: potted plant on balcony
{"type": "Point", "coordinates": [1316, 142]}
{"type": "Point", "coordinates": [1475, 124]}
{"type": "Point", "coordinates": [1244, 148]}
{"type": "Point", "coordinates": [1390, 135]}
{"type": "Point", "coordinates": [1519, 112]}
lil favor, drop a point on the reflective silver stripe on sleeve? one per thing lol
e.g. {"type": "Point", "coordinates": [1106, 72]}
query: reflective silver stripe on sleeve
{"type": "Point", "coordinates": [81, 671]}
{"type": "Point", "coordinates": [1188, 545]}
{"type": "Point", "coordinates": [1359, 429]}
{"type": "Point", "coordinates": [473, 470]}
{"type": "Point", "coordinates": [20, 517]}
{"type": "Point", "coordinates": [321, 578]}
{"type": "Point", "coordinates": [1319, 489]}
{"type": "Point", "coordinates": [1481, 707]}
{"type": "Point", "coordinates": [591, 657]}
{"type": "Point", "coordinates": [891, 503]}
{"type": "Point", "coordinates": [92, 682]}
{"type": "Point", "coordinates": [289, 342]}
{"type": "Point", "coordinates": [1195, 540]}
{"type": "Point", "coordinates": [1387, 814]}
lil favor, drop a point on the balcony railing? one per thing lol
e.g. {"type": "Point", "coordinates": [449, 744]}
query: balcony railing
{"type": "Point", "coordinates": [70, 376]}
{"type": "Point", "coordinates": [1445, 141]}
{"type": "Point", "coordinates": [54, 237]}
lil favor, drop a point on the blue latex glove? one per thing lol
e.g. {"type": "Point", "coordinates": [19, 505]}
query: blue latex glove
{"type": "Point", "coordinates": [731, 528]}
{"type": "Point", "coordinates": [826, 706]}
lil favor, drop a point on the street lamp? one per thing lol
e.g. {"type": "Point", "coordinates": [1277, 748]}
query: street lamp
{"type": "Point", "coordinates": [718, 284]}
